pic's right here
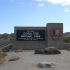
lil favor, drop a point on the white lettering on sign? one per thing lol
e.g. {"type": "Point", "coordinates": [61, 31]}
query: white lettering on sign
{"type": "Point", "coordinates": [29, 35]}
{"type": "Point", "coordinates": [26, 34]}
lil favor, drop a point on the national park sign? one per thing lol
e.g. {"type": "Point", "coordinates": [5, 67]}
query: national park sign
{"type": "Point", "coordinates": [30, 35]}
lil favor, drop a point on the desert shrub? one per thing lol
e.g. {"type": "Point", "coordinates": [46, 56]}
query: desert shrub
{"type": "Point", "coordinates": [66, 39]}
{"type": "Point", "coordinates": [2, 58]}
{"type": "Point", "coordinates": [1, 55]}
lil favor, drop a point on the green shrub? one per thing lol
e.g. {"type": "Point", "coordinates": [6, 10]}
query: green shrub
{"type": "Point", "coordinates": [66, 39]}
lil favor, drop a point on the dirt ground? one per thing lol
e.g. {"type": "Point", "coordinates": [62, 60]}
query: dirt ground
{"type": "Point", "coordinates": [29, 60]}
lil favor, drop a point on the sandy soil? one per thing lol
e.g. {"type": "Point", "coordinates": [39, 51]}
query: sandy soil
{"type": "Point", "coordinates": [29, 60]}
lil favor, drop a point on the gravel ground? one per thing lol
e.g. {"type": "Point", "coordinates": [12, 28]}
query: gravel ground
{"type": "Point", "coordinates": [29, 60]}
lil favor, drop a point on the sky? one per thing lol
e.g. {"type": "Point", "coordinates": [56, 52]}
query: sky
{"type": "Point", "coordinates": [33, 13]}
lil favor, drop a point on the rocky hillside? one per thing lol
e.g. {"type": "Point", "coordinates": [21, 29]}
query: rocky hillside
{"type": "Point", "coordinates": [6, 34]}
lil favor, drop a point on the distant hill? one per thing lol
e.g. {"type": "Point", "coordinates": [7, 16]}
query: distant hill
{"type": "Point", "coordinates": [66, 34]}
{"type": "Point", "coordinates": [6, 34]}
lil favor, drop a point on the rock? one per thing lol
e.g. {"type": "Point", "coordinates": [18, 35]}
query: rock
{"type": "Point", "coordinates": [19, 50]}
{"type": "Point", "coordinates": [45, 65]}
{"type": "Point", "coordinates": [68, 49]}
{"type": "Point", "coordinates": [14, 58]}
{"type": "Point", "coordinates": [52, 50]}
{"type": "Point", "coordinates": [39, 51]}
{"type": "Point", "coordinates": [5, 49]}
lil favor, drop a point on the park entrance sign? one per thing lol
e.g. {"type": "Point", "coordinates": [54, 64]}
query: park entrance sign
{"type": "Point", "coordinates": [38, 37]}
{"type": "Point", "coordinates": [30, 35]}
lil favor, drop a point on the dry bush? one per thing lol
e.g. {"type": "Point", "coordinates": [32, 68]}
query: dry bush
{"type": "Point", "coordinates": [2, 58]}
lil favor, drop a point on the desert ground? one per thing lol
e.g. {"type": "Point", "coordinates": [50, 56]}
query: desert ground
{"type": "Point", "coordinates": [28, 61]}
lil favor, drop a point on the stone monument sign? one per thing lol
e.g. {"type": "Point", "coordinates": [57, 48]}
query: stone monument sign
{"type": "Point", "coordinates": [38, 37]}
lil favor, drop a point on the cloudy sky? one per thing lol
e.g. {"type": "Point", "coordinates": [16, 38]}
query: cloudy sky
{"type": "Point", "coordinates": [33, 13]}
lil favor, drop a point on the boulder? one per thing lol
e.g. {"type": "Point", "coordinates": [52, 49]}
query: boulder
{"type": "Point", "coordinates": [39, 51]}
{"type": "Point", "coordinates": [45, 65]}
{"type": "Point", "coordinates": [19, 50]}
{"type": "Point", "coordinates": [6, 48]}
{"type": "Point", "coordinates": [14, 58]}
{"type": "Point", "coordinates": [68, 49]}
{"type": "Point", "coordinates": [52, 50]}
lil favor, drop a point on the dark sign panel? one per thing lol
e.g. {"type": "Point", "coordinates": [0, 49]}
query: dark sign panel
{"type": "Point", "coordinates": [30, 35]}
